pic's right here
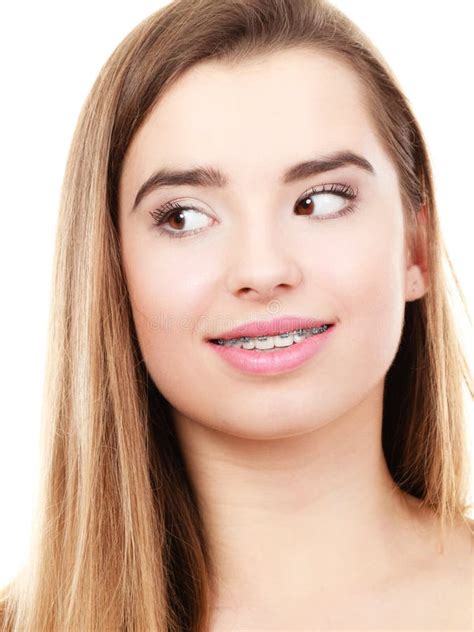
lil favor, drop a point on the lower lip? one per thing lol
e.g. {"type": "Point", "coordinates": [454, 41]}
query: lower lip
{"type": "Point", "coordinates": [265, 363]}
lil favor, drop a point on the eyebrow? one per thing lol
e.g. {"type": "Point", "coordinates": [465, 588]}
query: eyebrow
{"type": "Point", "coordinates": [206, 176]}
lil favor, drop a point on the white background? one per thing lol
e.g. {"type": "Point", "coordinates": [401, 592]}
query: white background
{"type": "Point", "coordinates": [51, 53]}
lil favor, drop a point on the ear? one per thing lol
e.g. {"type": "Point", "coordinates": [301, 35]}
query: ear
{"type": "Point", "coordinates": [417, 274]}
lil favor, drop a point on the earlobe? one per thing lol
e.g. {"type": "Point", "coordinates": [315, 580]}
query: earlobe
{"type": "Point", "coordinates": [417, 270]}
{"type": "Point", "coordinates": [416, 286]}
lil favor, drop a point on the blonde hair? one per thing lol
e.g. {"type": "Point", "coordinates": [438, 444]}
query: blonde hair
{"type": "Point", "coordinates": [119, 543]}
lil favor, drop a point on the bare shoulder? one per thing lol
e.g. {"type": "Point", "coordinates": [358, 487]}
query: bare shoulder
{"type": "Point", "coordinates": [453, 573]}
{"type": "Point", "coordinates": [440, 572]}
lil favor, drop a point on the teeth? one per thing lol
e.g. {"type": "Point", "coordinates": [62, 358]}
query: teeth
{"type": "Point", "coordinates": [269, 342]}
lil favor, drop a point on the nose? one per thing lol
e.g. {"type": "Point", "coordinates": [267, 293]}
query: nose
{"type": "Point", "coordinates": [263, 264]}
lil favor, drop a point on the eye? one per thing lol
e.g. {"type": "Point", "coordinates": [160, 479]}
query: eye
{"type": "Point", "coordinates": [177, 215]}
{"type": "Point", "coordinates": [325, 202]}
{"type": "Point", "coordinates": [328, 199]}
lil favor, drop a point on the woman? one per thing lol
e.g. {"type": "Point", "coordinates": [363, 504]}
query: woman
{"type": "Point", "coordinates": [193, 483]}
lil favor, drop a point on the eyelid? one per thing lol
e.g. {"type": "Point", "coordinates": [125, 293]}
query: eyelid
{"type": "Point", "coordinates": [174, 205]}
{"type": "Point", "coordinates": [343, 190]}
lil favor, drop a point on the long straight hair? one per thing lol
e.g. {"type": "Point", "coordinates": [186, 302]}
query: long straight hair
{"type": "Point", "coordinates": [119, 543]}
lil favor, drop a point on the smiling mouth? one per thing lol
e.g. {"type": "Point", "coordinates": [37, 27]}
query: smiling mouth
{"type": "Point", "coordinates": [282, 341]}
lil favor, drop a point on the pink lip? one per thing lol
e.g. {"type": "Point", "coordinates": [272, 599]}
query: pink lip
{"type": "Point", "coordinates": [271, 327]}
{"type": "Point", "coordinates": [261, 363]}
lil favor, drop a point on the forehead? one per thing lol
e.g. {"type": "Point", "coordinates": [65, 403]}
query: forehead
{"type": "Point", "coordinates": [254, 117]}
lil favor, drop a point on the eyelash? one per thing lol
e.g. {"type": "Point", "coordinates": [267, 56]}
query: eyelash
{"type": "Point", "coordinates": [161, 215]}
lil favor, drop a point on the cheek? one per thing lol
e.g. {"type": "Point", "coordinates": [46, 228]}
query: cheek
{"type": "Point", "coordinates": [368, 285]}
{"type": "Point", "coordinates": [168, 293]}
{"type": "Point", "coordinates": [375, 271]}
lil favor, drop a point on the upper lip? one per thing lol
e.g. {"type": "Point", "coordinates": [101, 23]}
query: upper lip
{"type": "Point", "coordinates": [270, 327]}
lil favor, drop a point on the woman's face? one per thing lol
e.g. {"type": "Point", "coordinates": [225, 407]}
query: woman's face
{"type": "Point", "coordinates": [257, 255]}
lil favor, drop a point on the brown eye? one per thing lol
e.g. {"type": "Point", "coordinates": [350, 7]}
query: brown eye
{"type": "Point", "coordinates": [326, 202]}
{"type": "Point", "coordinates": [177, 216]}
{"type": "Point", "coordinates": [320, 204]}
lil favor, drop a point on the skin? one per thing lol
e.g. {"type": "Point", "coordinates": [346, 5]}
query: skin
{"type": "Point", "coordinates": [300, 508]}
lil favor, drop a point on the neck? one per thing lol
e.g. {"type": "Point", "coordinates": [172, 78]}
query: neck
{"type": "Point", "coordinates": [289, 517]}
